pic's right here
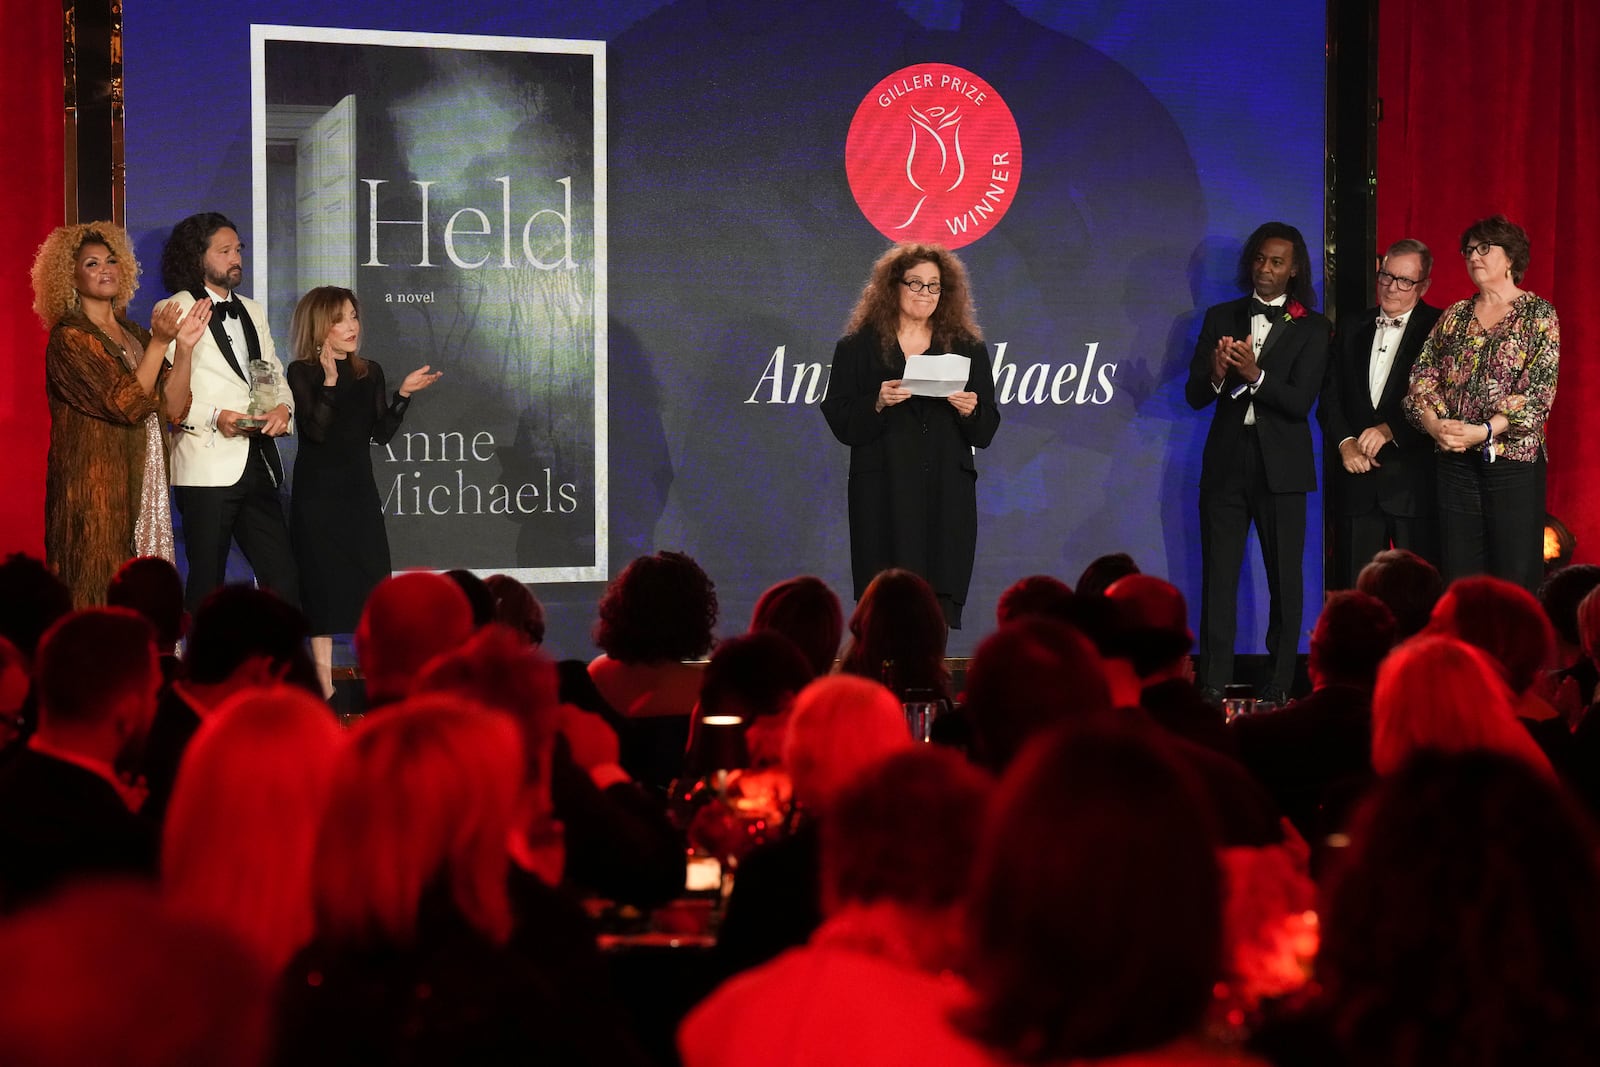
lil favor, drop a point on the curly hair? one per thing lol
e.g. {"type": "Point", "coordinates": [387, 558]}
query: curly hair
{"type": "Point", "coordinates": [318, 312]}
{"type": "Point", "coordinates": [1300, 289]}
{"type": "Point", "coordinates": [661, 607]}
{"type": "Point", "coordinates": [878, 309]}
{"type": "Point", "coordinates": [1462, 929]}
{"type": "Point", "coordinates": [55, 267]}
{"type": "Point", "coordinates": [183, 257]}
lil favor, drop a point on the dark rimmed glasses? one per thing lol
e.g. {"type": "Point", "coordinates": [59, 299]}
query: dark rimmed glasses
{"type": "Point", "coordinates": [1482, 248]}
{"type": "Point", "coordinates": [916, 285]}
{"type": "Point", "coordinates": [1404, 285]}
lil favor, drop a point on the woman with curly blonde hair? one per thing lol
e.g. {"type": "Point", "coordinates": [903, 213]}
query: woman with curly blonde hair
{"type": "Point", "coordinates": [913, 483]}
{"type": "Point", "coordinates": [110, 390]}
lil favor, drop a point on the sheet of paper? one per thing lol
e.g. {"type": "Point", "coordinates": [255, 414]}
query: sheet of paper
{"type": "Point", "coordinates": [936, 376]}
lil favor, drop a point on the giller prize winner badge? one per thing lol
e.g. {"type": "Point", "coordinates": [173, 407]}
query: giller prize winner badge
{"type": "Point", "coordinates": [933, 156]}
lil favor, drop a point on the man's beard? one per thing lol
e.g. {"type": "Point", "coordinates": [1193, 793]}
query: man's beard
{"type": "Point", "coordinates": [226, 282]}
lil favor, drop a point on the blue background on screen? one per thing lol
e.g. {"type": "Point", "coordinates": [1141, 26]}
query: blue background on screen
{"type": "Point", "coordinates": [1155, 137]}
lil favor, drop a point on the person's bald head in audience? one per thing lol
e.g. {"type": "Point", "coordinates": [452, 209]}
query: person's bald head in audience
{"type": "Point", "coordinates": [408, 619]}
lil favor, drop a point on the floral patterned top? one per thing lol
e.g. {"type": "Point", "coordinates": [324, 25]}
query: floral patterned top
{"type": "Point", "coordinates": [1469, 373]}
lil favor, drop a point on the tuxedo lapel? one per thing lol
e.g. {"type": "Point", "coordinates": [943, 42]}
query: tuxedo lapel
{"type": "Point", "coordinates": [1280, 326]}
{"type": "Point", "coordinates": [1405, 354]}
{"type": "Point", "coordinates": [250, 337]}
{"type": "Point", "coordinates": [219, 337]}
{"type": "Point", "coordinates": [1362, 368]}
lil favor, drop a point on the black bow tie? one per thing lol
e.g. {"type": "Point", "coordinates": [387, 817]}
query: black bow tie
{"type": "Point", "coordinates": [1271, 311]}
{"type": "Point", "coordinates": [1386, 323]}
{"type": "Point", "coordinates": [225, 308]}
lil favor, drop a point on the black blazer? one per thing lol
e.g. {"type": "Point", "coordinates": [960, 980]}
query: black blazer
{"type": "Point", "coordinates": [1294, 360]}
{"type": "Point", "coordinates": [59, 822]}
{"type": "Point", "coordinates": [1402, 483]}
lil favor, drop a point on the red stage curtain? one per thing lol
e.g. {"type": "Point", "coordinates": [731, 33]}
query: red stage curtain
{"type": "Point", "coordinates": [31, 205]}
{"type": "Point", "coordinates": [1492, 107]}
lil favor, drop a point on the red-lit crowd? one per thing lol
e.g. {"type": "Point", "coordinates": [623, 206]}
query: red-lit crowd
{"type": "Point", "coordinates": [200, 862]}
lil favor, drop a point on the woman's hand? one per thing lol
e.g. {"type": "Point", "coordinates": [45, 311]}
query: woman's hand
{"type": "Point", "coordinates": [891, 393]}
{"type": "Point", "coordinates": [193, 327]}
{"type": "Point", "coordinates": [964, 403]}
{"type": "Point", "coordinates": [1454, 435]}
{"type": "Point", "coordinates": [330, 366]}
{"type": "Point", "coordinates": [164, 322]}
{"type": "Point", "coordinates": [418, 380]}
{"type": "Point", "coordinates": [1430, 426]}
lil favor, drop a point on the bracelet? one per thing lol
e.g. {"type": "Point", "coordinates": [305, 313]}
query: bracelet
{"type": "Point", "coordinates": [1488, 442]}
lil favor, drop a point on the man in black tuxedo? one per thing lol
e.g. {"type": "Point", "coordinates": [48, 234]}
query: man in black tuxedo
{"type": "Point", "coordinates": [1260, 359]}
{"type": "Point", "coordinates": [1381, 488]}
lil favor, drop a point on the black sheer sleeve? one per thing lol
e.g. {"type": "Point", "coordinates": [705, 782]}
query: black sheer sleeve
{"type": "Point", "coordinates": [386, 414]}
{"type": "Point", "coordinates": [313, 401]}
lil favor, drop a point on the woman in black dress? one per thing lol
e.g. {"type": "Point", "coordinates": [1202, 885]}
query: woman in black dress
{"type": "Point", "coordinates": [336, 517]}
{"type": "Point", "coordinates": [913, 494]}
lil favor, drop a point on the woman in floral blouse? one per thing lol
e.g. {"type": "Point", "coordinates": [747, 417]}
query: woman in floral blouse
{"type": "Point", "coordinates": [1481, 388]}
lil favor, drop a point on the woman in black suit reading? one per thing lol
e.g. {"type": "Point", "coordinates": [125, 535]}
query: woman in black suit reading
{"type": "Point", "coordinates": [913, 482]}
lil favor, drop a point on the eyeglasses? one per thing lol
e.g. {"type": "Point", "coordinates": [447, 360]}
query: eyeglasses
{"type": "Point", "coordinates": [1482, 248]}
{"type": "Point", "coordinates": [918, 286]}
{"type": "Point", "coordinates": [1405, 285]}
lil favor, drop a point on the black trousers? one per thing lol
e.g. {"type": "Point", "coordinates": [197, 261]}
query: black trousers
{"type": "Point", "coordinates": [1360, 537]}
{"type": "Point", "coordinates": [250, 511]}
{"type": "Point", "coordinates": [1491, 518]}
{"type": "Point", "coordinates": [1227, 509]}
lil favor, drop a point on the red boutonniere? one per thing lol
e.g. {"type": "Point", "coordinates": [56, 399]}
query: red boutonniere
{"type": "Point", "coordinates": [1296, 310]}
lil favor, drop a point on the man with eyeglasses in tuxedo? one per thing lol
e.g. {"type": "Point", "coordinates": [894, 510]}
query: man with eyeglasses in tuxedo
{"type": "Point", "coordinates": [1381, 481]}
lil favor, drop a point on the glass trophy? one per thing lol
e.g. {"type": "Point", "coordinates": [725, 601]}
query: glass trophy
{"type": "Point", "coordinates": [263, 395]}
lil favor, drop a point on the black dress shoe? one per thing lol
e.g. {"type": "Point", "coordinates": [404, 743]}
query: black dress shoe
{"type": "Point", "coordinates": [1211, 695]}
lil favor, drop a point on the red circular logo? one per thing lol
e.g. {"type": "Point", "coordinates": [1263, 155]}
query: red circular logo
{"type": "Point", "coordinates": [933, 156]}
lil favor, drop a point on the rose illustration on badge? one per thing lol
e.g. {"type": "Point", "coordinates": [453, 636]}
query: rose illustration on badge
{"type": "Point", "coordinates": [933, 156]}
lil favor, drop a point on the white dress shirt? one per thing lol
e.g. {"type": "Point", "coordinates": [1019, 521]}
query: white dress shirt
{"type": "Point", "coordinates": [1384, 343]}
{"type": "Point", "coordinates": [1260, 326]}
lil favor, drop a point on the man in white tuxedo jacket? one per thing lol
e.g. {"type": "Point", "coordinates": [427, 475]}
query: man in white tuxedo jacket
{"type": "Point", "coordinates": [227, 476]}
